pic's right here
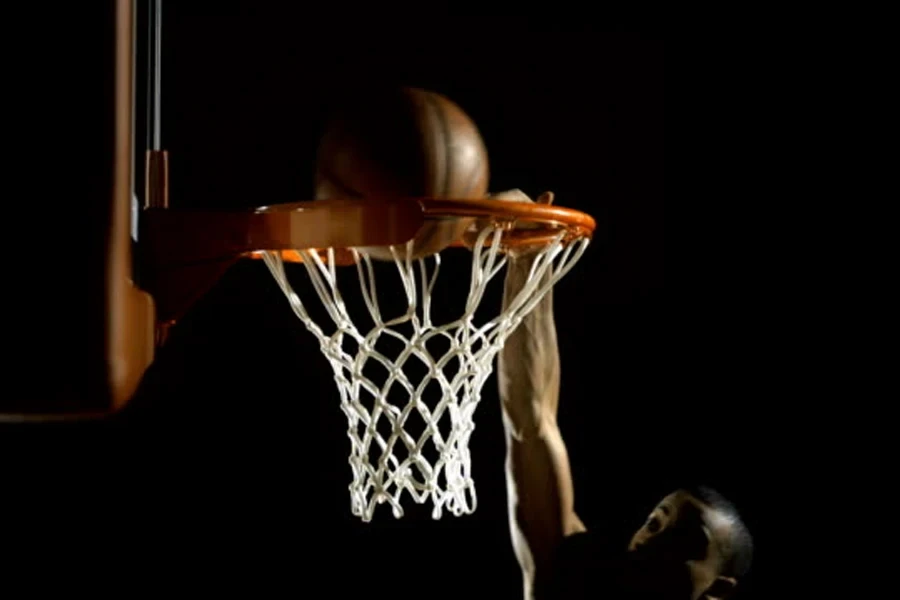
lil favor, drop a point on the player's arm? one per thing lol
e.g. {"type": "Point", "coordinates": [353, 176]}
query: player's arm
{"type": "Point", "coordinates": [539, 480]}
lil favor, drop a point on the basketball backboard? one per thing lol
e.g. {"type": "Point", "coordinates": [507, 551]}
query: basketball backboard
{"type": "Point", "coordinates": [410, 429]}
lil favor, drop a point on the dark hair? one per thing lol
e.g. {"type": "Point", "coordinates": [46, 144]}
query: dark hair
{"type": "Point", "coordinates": [738, 548]}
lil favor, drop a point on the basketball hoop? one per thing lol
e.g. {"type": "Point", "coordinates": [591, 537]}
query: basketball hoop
{"type": "Point", "coordinates": [386, 459]}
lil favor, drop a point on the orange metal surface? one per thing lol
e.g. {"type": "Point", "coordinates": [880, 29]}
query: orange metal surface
{"type": "Point", "coordinates": [130, 310]}
{"type": "Point", "coordinates": [529, 224]}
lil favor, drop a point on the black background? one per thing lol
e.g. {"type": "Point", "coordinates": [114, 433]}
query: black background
{"type": "Point", "coordinates": [229, 468]}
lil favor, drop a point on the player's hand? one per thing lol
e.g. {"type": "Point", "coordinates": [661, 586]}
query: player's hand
{"type": "Point", "coordinates": [518, 195]}
{"type": "Point", "coordinates": [515, 195]}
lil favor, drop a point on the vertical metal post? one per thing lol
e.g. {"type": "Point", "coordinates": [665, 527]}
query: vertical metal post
{"type": "Point", "coordinates": [157, 185]}
{"type": "Point", "coordinates": [154, 74]}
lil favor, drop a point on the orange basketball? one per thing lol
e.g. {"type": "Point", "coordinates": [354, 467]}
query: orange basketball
{"type": "Point", "coordinates": [405, 142]}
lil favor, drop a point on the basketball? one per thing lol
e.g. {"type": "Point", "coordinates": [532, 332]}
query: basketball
{"type": "Point", "coordinates": [405, 142]}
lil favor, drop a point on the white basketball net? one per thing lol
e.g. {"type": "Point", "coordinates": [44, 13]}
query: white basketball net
{"type": "Point", "coordinates": [387, 465]}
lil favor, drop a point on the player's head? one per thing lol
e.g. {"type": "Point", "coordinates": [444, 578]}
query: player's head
{"type": "Point", "coordinates": [694, 534]}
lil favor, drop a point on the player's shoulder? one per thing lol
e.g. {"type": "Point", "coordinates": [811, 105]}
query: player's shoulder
{"type": "Point", "coordinates": [583, 546]}
{"type": "Point", "coordinates": [584, 565]}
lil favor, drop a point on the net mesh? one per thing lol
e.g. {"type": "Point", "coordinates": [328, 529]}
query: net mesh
{"type": "Point", "coordinates": [390, 457]}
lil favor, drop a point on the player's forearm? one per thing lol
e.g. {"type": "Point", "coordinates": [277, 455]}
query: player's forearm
{"type": "Point", "coordinates": [529, 369]}
{"type": "Point", "coordinates": [539, 481]}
